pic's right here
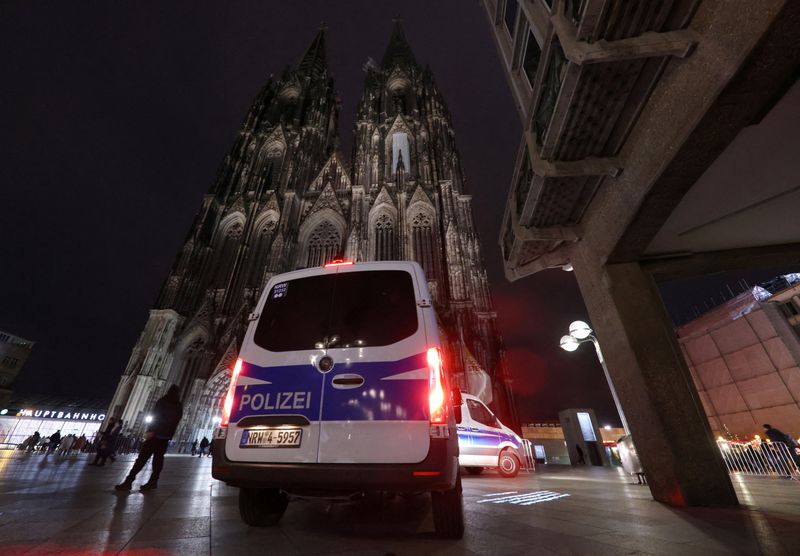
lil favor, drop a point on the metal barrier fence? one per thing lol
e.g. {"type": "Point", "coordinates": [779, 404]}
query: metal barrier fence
{"type": "Point", "coordinates": [760, 458]}
{"type": "Point", "coordinates": [527, 451]}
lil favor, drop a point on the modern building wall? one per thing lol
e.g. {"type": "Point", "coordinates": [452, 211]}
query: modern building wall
{"type": "Point", "coordinates": [14, 351]}
{"type": "Point", "coordinates": [549, 437]}
{"type": "Point", "coordinates": [744, 357]}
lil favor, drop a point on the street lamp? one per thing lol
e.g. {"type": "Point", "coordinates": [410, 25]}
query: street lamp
{"type": "Point", "coordinates": [580, 333]}
{"type": "Point", "coordinates": [148, 419]}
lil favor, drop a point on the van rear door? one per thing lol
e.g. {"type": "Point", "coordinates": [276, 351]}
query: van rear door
{"type": "Point", "coordinates": [278, 397]}
{"type": "Point", "coordinates": [375, 399]}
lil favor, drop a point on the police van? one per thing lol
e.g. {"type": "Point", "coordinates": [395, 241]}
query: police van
{"type": "Point", "coordinates": [340, 389]}
{"type": "Point", "coordinates": [486, 442]}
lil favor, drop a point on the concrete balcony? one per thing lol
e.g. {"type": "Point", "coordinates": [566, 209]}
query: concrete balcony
{"type": "Point", "coordinates": [600, 61]}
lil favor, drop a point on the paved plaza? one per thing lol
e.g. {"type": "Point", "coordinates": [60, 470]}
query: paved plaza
{"type": "Point", "coordinates": [60, 506]}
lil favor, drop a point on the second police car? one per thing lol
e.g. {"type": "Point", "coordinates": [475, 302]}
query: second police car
{"type": "Point", "coordinates": [485, 442]}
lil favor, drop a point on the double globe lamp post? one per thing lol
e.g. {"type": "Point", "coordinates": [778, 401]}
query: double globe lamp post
{"type": "Point", "coordinates": [580, 333]}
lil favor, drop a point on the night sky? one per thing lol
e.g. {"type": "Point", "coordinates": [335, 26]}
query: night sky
{"type": "Point", "coordinates": [113, 124]}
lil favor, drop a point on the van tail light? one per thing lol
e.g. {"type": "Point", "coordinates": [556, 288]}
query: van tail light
{"type": "Point", "coordinates": [228, 405]}
{"type": "Point", "coordinates": [436, 396]}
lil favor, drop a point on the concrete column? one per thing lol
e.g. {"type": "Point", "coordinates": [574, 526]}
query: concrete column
{"type": "Point", "coordinates": [677, 449]}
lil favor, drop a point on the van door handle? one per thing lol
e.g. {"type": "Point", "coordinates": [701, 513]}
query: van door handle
{"type": "Point", "coordinates": [347, 381]}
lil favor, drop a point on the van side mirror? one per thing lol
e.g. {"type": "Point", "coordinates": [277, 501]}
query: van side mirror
{"type": "Point", "coordinates": [455, 395]}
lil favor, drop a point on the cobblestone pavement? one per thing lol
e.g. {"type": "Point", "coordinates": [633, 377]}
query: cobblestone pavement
{"type": "Point", "coordinates": [60, 506]}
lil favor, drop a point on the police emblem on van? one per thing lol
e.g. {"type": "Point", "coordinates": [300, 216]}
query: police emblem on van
{"type": "Point", "coordinates": [325, 363]}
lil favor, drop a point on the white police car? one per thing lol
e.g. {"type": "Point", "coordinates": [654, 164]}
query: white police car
{"type": "Point", "coordinates": [486, 442]}
{"type": "Point", "coordinates": [340, 389]}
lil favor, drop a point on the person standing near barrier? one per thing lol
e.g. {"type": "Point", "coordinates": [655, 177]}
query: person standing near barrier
{"type": "Point", "coordinates": [203, 446]}
{"type": "Point", "coordinates": [167, 414]}
{"type": "Point", "coordinates": [776, 435]}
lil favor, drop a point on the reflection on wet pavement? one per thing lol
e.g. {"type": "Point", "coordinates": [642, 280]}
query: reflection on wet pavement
{"type": "Point", "coordinates": [51, 505]}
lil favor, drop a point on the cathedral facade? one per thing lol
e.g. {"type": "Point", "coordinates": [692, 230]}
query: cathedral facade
{"type": "Point", "coordinates": [285, 198]}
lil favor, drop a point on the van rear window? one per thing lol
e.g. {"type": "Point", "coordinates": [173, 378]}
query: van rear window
{"type": "Point", "coordinates": [347, 309]}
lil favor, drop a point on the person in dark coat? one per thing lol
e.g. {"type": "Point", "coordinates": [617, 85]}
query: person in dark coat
{"type": "Point", "coordinates": [194, 448]}
{"type": "Point", "coordinates": [203, 446]}
{"type": "Point", "coordinates": [107, 443]}
{"type": "Point", "coordinates": [55, 439]}
{"type": "Point", "coordinates": [776, 435]}
{"type": "Point", "coordinates": [167, 414]}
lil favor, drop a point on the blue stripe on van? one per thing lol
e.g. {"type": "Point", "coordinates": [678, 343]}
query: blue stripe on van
{"type": "Point", "coordinates": [296, 389]}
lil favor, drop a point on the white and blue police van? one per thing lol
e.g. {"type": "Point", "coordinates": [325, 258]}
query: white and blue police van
{"type": "Point", "coordinates": [485, 442]}
{"type": "Point", "coordinates": [340, 389]}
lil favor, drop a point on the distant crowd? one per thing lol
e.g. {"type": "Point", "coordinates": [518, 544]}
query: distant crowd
{"type": "Point", "coordinates": [105, 444]}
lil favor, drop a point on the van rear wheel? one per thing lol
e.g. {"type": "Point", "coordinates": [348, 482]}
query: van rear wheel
{"type": "Point", "coordinates": [448, 512]}
{"type": "Point", "coordinates": [508, 464]}
{"type": "Point", "coordinates": [260, 507]}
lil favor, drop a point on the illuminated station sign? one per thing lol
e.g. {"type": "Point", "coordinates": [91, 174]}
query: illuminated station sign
{"type": "Point", "coordinates": [69, 415]}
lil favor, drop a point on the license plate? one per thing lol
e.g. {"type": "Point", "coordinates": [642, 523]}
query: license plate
{"type": "Point", "coordinates": [271, 438]}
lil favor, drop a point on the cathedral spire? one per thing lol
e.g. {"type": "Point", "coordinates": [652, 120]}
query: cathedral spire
{"type": "Point", "coordinates": [314, 62]}
{"type": "Point", "coordinates": [398, 50]}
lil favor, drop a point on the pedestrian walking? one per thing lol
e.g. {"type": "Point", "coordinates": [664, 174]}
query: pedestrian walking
{"type": "Point", "coordinates": [55, 440]}
{"type": "Point", "coordinates": [105, 444]}
{"type": "Point", "coordinates": [113, 441]}
{"type": "Point", "coordinates": [203, 446]}
{"type": "Point", "coordinates": [66, 444]}
{"type": "Point", "coordinates": [80, 443]}
{"type": "Point", "coordinates": [167, 414]}
{"type": "Point", "coordinates": [194, 448]}
{"type": "Point", "coordinates": [210, 447]}
{"type": "Point", "coordinates": [31, 442]}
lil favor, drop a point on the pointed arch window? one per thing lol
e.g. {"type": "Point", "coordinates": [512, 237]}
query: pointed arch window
{"type": "Point", "coordinates": [193, 359]}
{"type": "Point", "coordinates": [423, 243]}
{"type": "Point", "coordinates": [271, 161]}
{"type": "Point", "coordinates": [400, 145]}
{"type": "Point", "coordinates": [385, 238]}
{"type": "Point", "coordinates": [324, 244]}
{"type": "Point", "coordinates": [226, 252]}
{"type": "Point", "coordinates": [261, 247]}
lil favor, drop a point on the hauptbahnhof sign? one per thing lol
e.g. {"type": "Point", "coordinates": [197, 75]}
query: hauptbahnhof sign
{"type": "Point", "coordinates": [69, 415]}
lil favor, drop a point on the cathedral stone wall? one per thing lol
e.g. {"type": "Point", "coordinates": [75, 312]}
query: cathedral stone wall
{"type": "Point", "coordinates": [285, 198]}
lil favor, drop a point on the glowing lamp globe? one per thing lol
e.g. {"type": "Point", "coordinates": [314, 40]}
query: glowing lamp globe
{"type": "Point", "coordinates": [568, 343]}
{"type": "Point", "coordinates": [579, 330]}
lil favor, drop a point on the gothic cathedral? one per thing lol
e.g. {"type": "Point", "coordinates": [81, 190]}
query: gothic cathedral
{"type": "Point", "coordinates": [285, 199]}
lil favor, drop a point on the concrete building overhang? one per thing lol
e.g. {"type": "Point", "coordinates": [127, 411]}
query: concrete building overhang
{"type": "Point", "coordinates": [667, 157]}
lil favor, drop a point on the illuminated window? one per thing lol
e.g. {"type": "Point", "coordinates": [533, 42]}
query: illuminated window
{"type": "Point", "coordinates": [400, 145]}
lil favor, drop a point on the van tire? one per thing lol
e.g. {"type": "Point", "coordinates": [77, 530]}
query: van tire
{"type": "Point", "coordinates": [260, 507]}
{"type": "Point", "coordinates": [448, 512]}
{"type": "Point", "coordinates": [508, 464]}
{"type": "Point", "coordinates": [474, 470]}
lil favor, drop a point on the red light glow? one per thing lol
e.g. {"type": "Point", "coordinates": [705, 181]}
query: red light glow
{"type": "Point", "coordinates": [436, 396]}
{"type": "Point", "coordinates": [226, 408]}
{"type": "Point", "coordinates": [338, 262]}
